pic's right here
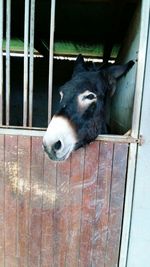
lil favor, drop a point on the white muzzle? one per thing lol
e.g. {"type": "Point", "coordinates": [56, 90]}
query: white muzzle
{"type": "Point", "coordinates": [60, 139]}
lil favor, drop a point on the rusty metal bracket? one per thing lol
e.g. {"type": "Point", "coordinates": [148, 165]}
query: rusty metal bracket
{"type": "Point", "coordinates": [140, 140]}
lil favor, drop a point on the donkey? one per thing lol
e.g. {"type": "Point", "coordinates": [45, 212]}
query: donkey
{"type": "Point", "coordinates": [82, 110]}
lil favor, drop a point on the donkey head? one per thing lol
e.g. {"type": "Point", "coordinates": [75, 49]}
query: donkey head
{"type": "Point", "coordinates": [81, 114]}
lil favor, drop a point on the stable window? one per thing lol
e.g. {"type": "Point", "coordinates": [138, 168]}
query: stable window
{"type": "Point", "coordinates": [35, 60]}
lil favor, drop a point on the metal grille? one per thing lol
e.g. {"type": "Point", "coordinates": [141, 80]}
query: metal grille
{"type": "Point", "coordinates": [28, 61]}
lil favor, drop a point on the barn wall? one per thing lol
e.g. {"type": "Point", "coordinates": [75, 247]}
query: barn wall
{"type": "Point", "coordinates": [52, 214]}
{"type": "Point", "coordinates": [137, 186]}
{"type": "Point", "coordinates": [124, 96]}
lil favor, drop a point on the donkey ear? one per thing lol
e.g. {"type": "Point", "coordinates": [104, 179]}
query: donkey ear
{"type": "Point", "coordinates": [119, 70]}
{"type": "Point", "coordinates": [116, 71]}
{"type": "Point", "coordinates": [79, 66]}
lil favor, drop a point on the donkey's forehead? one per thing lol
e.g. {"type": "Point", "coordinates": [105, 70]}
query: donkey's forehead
{"type": "Point", "coordinates": [75, 85]}
{"type": "Point", "coordinates": [81, 83]}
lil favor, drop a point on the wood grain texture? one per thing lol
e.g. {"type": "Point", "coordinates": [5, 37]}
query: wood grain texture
{"type": "Point", "coordinates": [88, 203]}
{"type": "Point", "coordinates": [2, 200]}
{"type": "Point", "coordinates": [11, 180]}
{"type": "Point", "coordinates": [35, 213]}
{"type": "Point", "coordinates": [102, 204]}
{"type": "Point", "coordinates": [48, 222]}
{"type": "Point", "coordinates": [24, 154]}
{"type": "Point", "coordinates": [116, 204]}
{"type": "Point", "coordinates": [75, 207]}
{"type": "Point", "coordinates": [60, 214]}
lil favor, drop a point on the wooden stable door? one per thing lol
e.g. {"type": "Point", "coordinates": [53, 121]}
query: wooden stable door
{"type": "Point", "coordinates": [60, 214]}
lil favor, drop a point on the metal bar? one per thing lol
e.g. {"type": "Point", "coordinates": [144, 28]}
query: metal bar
{"type": "Point", "coordinates": [51, 46]}
{"type": "Point", "coordinates": [31, 64]}
{"type": "Point", "coordinates": [1, 62]}
{"type": "Point", "coordinates": [118, 139]}
{"type": "Point", "coordinates": [8, 29]}
{"type": "Point", "coordinates": [24, 132]}
{"type": "Point", "coordinates": [22, 128]}
{"type": "Point", "coordinates": [26, 44]}
{"type": "Point", "coordinates": [135, 133]}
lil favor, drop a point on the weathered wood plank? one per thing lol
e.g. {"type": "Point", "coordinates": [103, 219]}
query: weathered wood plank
{"type": "Point", "coordinates": [75, 207]}
{"type": "Point", "coordinates": [2, 202]}
{"type": "Point", "coordinates": [48, 222]}
{"type": "Point", "coordinates": [24, 144]}
{"type": "Point", "coordinates": [116, 204]}
{"type": "Point", "coordinates": [102, 204]}
{"type": "Point", "coordinates": [88, 203]}
{"type": "Point", "coordinates": [35, 215]}
{"type": "Point", "coordinates": [61, 213]}
{"type": "Point", "coordinates": [11, 181]}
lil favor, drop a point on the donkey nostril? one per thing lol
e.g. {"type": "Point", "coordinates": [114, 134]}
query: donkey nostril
{"type": "Point", "coordinates": [57, 145]}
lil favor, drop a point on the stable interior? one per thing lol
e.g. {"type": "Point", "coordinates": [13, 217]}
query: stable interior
{"type": "Point", "coordinates": [101, 30]}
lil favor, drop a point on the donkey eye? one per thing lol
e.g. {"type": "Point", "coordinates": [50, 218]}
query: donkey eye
{"type": "Point", "coordinates": [90, 96]}
{"type": "Point", "coordinates": [85, 99]}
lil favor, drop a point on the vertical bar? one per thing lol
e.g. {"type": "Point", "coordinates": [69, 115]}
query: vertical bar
{"type": "Point", "coordinates": [26, 41]}
{"type": "Point", "coordinates": [51, 45]}
{"type": "Point", "coordinates": [31, 66]}
{"type": "Point", "coordinates": [1, 62]}
{"type": "Point", "coordinates": [8, 21]}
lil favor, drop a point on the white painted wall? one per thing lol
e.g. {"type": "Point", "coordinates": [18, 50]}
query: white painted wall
{"type": "Point", "coordinates": [139, 241]}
